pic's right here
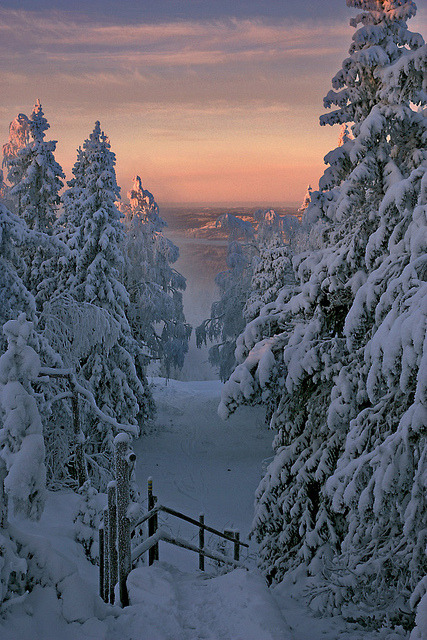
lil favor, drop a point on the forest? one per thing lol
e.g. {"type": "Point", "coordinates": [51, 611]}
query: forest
{"type": "Point", "coordinates": [319, 323]}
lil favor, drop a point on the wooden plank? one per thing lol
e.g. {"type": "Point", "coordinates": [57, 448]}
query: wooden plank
{"type": "Point", "coordinates": [172, 512]}
{"type": "Point", "coordinates": [161, 534]}
{"type": "Point", "coordinates": [147, 516]}
{"type": "Point", "coordinates": [179, 542]}
{"type": "Point", "coordinates": [146, 545]}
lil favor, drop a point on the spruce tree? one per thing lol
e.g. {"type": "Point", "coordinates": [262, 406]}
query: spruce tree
{"type": "Point", "coordinates": [98, 235]}
{"type": "Point", "coordinates": [156, 310]}
{"type": "Point", "coordinates": [272, 267]}
{"type": "Point", "coordinates": [14, 296]}
{"type": "Point", "coordinates": [36, 176]}
{"type": "Point", "coordinates": [22, 448]}
{"type": "Point", "coordinates": [37, 179]}
{"type": "Point", "coordinates": [19, 130]}
{"type": "Point", "coordinates": [343, 496]}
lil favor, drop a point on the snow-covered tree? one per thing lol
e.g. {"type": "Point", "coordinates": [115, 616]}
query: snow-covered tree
{"type": "Point", "coordinates": [258, 263]}
{"type": "Point", "coordinates": [227, 321]}
{"type": "Point", "coordinates": [272, 267]}
{"type": "Point", "coordinates": [37, 179]}
{"type": "Point", "coordinates": [97, 238]}
{"type": "Point", "coordinates": [306, 200]}
{"type": "Point", "coordinates": [21, 437]}
{"type": "Point", "coordinates": [17, 239]}
{"type": "Point", "coordinates": [19, 130]}
{"type": "Point", "coordinates": [36, 176]}
{"type": "Point", "coordinates": [14, 296]}
{"type": "Point", "coordinates": [346, 348]}
{"type": "Point", "coordinates": [156, 310]}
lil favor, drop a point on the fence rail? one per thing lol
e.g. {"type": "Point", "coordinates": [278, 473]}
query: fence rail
{"type": "Point", "coordinates": [115, 556]}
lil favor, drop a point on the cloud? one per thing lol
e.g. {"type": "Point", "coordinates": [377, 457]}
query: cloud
{"type": "Point", "coordinates": [56, 38]}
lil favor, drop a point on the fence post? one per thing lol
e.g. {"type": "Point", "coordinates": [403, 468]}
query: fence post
{"type": "Point", "coordinates": [106, 556]}
{"type": "Point", "coordinates": [101, 562]}
{"type": "Point", "coordinates": [201, 542]}
{"type": "Point", "coordinates": [112, 537]}
{"type": "Point", "coordinates": [230, 534]}
{"type": "Point", "coordinates": [121, 443]}
{"type": "Point", "coordinates": [237, 546]}
{"type": "Point", "coordinates": [153, 553]}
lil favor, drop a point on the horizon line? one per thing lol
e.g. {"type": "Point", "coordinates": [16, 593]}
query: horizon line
{"type": "Point", "coordinates": [230, 203]}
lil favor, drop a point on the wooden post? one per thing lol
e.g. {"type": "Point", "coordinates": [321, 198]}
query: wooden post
{"type": "Point", "coordinates": [153, 553]}
{"type": "Point", "coordinates": [237, 546]}
{"type": "Point", "coordinates": [230, 534]}
{"type": "Point", "coordinates": [80, 460]}
{"type": "Point", "coordinates": [155, 526]}
{"type": "Point", "coordinates": [101, 562]}
{"type": "Point", "coordinates": [112, 538]}
{"type": "Point", "coordinates": [106, 557]}
{"type": "Point", "coordinates": [201, 542]}
{"type": "Point", "coordinates": [121, 443]}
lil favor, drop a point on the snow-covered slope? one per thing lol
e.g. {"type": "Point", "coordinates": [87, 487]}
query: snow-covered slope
{"type": "Point", "coordinates": [197, 463]}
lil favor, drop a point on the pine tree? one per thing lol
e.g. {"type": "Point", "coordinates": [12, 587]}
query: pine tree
{"type": "Point", "coordinates": [36, 179]}
{"type": "Point", "coordinates": [156, 310]}
{"type": "Point", "coordinates": [306, 201]}
{"type": "Point", "coordinates": [22, 445]}
{"type": "Point", "coordinates": [14, 296]}
{"type": "Point", "coordinates": [343, 495]}
{"type": "Point", "coordinates": [36, 176]}
{"type": "Point", "coordinates": [19, 130]}
{"type": "Point", "coordinates": [109, 366]}
{"type": "Point", "coordinates": [272, 267]}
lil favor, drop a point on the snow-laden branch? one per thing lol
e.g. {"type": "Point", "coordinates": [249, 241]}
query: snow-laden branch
{"type": "Point", "coordinates": [68, 373]}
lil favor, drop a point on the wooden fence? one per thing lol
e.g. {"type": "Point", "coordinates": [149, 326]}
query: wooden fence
{"type": "Point", "coordinates": [115, 556]}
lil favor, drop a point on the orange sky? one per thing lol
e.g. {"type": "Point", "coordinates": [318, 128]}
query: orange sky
{"type": "Point", "coordinates": [215, 110]}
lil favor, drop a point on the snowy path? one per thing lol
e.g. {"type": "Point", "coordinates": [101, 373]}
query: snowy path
{"type": "Point", "coordinates": [201, 464]}
{"type": "Point", "coordinates": [198, 463]}
{"type": "Point", "coordinates": [183, 606]}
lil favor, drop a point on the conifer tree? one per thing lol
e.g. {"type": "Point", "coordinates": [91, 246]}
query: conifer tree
{"type": "Point", "coordinates": [272, 265]}
{"type": "Point", "coordinates": [36, 176]}
{"type": "Point", "coordinates": [19, 130]}
{"type": "Point", "coordinates": [21, 437]}
{"type": "Point", "coordinates": [14, 296]}
{"type": "Point", "coordinates": [97, 238]}
{"type": "Point", "coordinates": [156, 310]}
{"type": "Point", "coordinates": [227, 321]}
{"type": "Point", "coordinates": [343, 495]}
{"type": "Point", "coordinates": [37, 179]}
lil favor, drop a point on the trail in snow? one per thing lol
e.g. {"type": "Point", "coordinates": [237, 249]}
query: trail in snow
{"type": "Point", "coordinates": [201, 464]}
{"type": "Point", "coordinates": [183, 606]}
{"type": "Point", "coordinates": [198, 464]}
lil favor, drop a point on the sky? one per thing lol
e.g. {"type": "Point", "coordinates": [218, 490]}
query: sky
{"type": "Point", "coordinates": [207, 100]}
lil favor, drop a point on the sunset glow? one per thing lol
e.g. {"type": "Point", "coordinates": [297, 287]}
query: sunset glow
{"type": "Point", "coordinates": [216, 108]}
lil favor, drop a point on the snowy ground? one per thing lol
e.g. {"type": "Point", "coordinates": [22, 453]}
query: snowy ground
{"type": "Point", "coordinates": [198, 464]}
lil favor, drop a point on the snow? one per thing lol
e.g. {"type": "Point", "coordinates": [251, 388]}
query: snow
{"type": "Point", "coordinates": [198, 463]}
